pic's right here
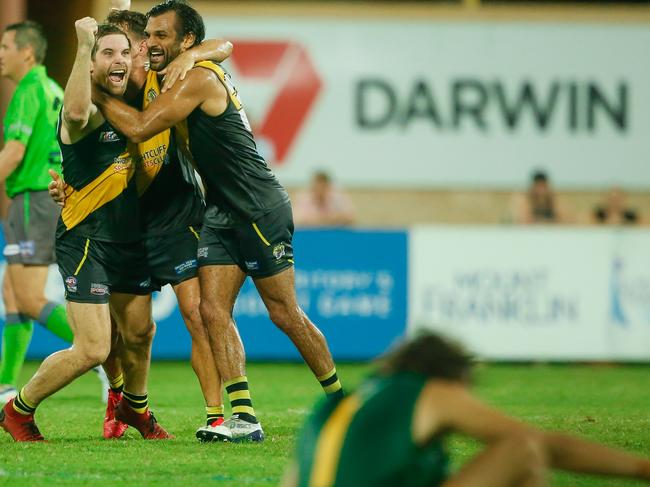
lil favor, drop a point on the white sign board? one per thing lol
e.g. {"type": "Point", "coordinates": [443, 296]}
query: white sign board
{"type": "Point", "coordinates": [526, 294]}
{"type": "Point", "coordinates": [453, 103]}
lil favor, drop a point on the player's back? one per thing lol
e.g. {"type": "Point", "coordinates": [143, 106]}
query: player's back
{"type": "Point", "coordinates": [236, 175]}
{"type": "Point", "coordinates": [365, 439]}
{"type": "Point", "coordinates": [101, 196]}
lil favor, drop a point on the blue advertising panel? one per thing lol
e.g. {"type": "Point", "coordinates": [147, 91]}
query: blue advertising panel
{"type": "Point", "coordinates": [351, 283]}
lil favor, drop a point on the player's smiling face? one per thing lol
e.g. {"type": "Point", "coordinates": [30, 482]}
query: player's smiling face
{"type": "Point", "coordinates": [112, 63]}
{"type": "Point", "coordinates": [163, 41]}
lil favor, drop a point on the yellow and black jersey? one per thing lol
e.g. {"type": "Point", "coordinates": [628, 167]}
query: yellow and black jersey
{"type": "Point", "coordinates": [170, 198]}
{"type": "Point", "coordinates": [237, 178]}
{"type": "Point", "coordinates": [101, 197]}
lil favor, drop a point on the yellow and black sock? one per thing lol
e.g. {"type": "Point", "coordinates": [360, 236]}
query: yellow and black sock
{"type": "Point", "coordinates": [22, 405]}
{"type": "Point", "coordinates": [331, 384]}
{"type": "Point", "coordinates": [213, 413]}
{"type": "Point", "coordinates": [139, 403]}
{"type": "Point", "coordinates": [117, 384]}
{"type": "Point", "coordinates": [240, 399]}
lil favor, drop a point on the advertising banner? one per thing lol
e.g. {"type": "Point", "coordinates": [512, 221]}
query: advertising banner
{"type": "Point", "coordinates": [427, 103]}
{"type": "Point", "coordinates": [352, 285]}
{"type": "Point", "coordinates": [534, 294]}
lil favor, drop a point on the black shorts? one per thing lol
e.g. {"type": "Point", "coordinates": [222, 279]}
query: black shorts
{"type": "Point", "coordinates": [92, 269]}
{"type": "Point", "coordinates": [261, 248]}
{"type": "Point", "coordinates": [172, 258]}
{"type": "Point", "coordinates": [30, 229]}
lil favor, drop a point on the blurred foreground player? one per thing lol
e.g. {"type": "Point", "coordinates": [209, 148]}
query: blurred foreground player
{"type": "Point", "coordinates": [30, 150]}
{"type": "Point", "coordinates": [98, 245]}
{"type": "Point", "coordinates": [360, 441]}
{"type": "Point", "coordinates": [248, 225]}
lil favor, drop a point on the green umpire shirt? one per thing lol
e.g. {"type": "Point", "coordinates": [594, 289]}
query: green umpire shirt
{"type": "Point", "coordinates": [31, 119]}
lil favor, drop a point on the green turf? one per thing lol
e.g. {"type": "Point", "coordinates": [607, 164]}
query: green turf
{"type": "Point", "coordinates": [608, 404]}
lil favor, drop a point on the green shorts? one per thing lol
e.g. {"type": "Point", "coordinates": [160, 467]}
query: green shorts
{"type": "Point", "coordinates": [30, 229]}
{"type": "Point", "coordinates": [172, 258]}
{"type": "Point", "coordinates": [261, 249]}
{"type": "Point", "coordinates": [93, 269]}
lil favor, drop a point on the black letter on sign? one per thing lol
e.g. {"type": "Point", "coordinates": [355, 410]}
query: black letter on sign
{"type": "Point", "coordinates": [422, 105]}
{"type": "Point", "coordinates": [470, 98]}
{"type": "Point", "coordinates": [615, 110]}
{"type": "Point", "coordinates": [368, 116]}
{"type": "Point", "coordinates": [527, 100]}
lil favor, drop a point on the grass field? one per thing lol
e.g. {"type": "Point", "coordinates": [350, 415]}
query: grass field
{"type": "Point", "coordinates": [609, 404]}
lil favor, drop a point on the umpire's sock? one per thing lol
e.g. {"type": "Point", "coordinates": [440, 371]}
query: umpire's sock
{"type": "Point", "coordinates": [16, 335]}
{"type": "Point", "coordinates": [54, 318]}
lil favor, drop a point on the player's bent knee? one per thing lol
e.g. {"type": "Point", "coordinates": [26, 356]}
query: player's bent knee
{"type": "Point", "coordinates": [93, 355]}
{"type": "Point", "coordinates": [528, 450]}
{"type": "Point", "coordinates": [140, 337]}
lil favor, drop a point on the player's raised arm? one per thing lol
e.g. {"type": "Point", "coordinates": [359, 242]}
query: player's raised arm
{"type": "Point", "coordinates": [77, 103]}
{"type": "Point", "coordinates": [217, 50]}
{"type": "Point", "coordinates": [164, 112]}
{"type": "Point", "coordinates": [459, 411]}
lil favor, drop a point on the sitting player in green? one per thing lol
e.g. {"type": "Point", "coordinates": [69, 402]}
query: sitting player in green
{"type": "Point", "coordinates": [360, 441]}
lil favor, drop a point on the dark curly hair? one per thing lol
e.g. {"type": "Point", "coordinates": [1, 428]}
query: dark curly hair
{"type": "Point", "coordinates": [188, 20]}
{"type": "Point", "coordinates": [430, 355]}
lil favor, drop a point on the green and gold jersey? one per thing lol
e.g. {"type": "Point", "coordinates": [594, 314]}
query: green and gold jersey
{"type": "Point", "coordinates": [101, 198]}
{"type": "Point", "coordinates": [31, 119]}
{"type": "Point", "coordinates": [170, 198]}
{"type": "Point", "coordinates": [365, 439]}
{"type": "Point", "coordinates": [236, 177]}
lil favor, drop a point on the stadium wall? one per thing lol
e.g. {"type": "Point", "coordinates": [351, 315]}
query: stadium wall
{"type": "Point", "coordinates": [508, 293]}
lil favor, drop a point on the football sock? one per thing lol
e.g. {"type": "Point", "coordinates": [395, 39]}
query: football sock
{"type": "Point", "coordinates": [240, 399]}
{"type": "Point", "coordinates": [22, 406]}
{"type": "Point", "coordinates": [54, 318]}
{"type": "Point", "coordinates": [213, 413]}
{"type": "Point", "coordinates": [139, 403]}
{"type": "Point", "coordinates": [16, 335]}
{"type": "Point", "coordinates": [331, 384]}
{"type": "Point", "coordinates": [117, 384]}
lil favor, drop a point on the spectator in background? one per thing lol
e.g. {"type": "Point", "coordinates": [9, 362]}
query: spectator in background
{"type": "Point", "coordinates": [539, 204]}
{"type": "Point", "coordinates": [614, 210]}
{"type": "Point", "coordinates": [323, 204]}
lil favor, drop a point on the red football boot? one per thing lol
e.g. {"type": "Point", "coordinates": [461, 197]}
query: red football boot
{"type": "Point", "coordinates": [112, 427]}
{"type": "Point", "coordinates": [145, 422]}
{"type": "Point", "coordinates": [19, 426]}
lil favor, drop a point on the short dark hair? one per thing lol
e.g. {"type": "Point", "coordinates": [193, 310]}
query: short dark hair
{"type": "Point", "coordinates": [322, 176]}
{"type": "Point", "coordinates": [188, 20]}
{"type": "Point", "coordinates": [430, 355]}
{"type": "Point", "coordinates": [104, 30]}
{"type": "Point", "coordinates": [540, 176]}
{"type": "Point", "coordinates": [128, 20]}
{"type": "Point", "coordinates": [30, 33]}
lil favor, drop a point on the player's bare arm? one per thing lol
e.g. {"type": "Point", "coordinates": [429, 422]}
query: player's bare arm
{"type": "Point", "coordinates": [10, 158]}
{"type": "Point", "coordinates": [455, 408]}
{"type": "Point", "coordinates": [217, 50]}
{"type": "Point", "coordinates": [199, 89]}
{"type": "Point", "coordinates": [78, 108]}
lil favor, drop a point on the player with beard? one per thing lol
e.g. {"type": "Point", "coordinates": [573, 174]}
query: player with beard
{"type": "Point", "coordinates": [171, 211]}
{"type": "Point", "coordinates": [98, 243]}
{"type": "Point", "coordinates": [247, 228]}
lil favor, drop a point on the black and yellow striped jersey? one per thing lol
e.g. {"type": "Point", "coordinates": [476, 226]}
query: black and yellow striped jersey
{"type": "Point", "coordinates": [170, 197]}
{"type": "Point", "coordinates": [365, 439]}
{"type": "Point", "coordinates": [101, 196]}
{"type": "Point", "coordinates": [237, 178]}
